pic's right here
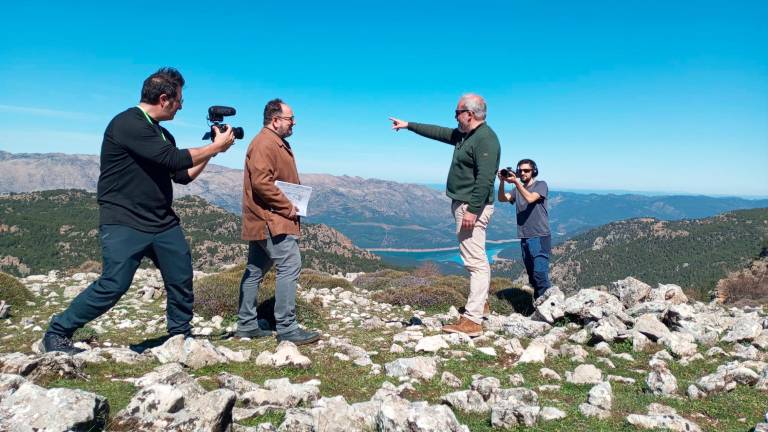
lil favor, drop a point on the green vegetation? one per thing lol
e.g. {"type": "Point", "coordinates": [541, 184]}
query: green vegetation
{"type": "Point", "coordinates": [58, 230]}
{"type": "Point", "coordinates": [219, 295]}
{"type": "Point", "coordinates": [694, 254]}
{"type": "Point", "coordinates": [14, 293]}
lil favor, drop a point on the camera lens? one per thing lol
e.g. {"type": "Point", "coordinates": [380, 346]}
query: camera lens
{"type": "Point", "coordinates": [238, 131]}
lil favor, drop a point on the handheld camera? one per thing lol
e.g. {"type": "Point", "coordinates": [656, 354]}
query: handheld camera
{"type": "Point", "coordinates": [216, 116]}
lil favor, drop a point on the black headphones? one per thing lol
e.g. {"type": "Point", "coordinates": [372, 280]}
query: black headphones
{"type": "Point", "coordinates": [534, 173]}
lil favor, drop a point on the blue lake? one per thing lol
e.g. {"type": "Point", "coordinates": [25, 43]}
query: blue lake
{"type": "Point", "coordinates": [442, 256]}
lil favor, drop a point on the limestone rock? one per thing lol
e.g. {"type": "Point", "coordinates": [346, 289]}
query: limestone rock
{"type": "Point", "coordinates": [423, 368]}
{"type": "Point", "coordinates": [535, 352]}
{"type": "Point", "coordinates": [551, 306]}
{"type": "Point", "coordinates": [650, 326]}
{"type": "Point", "coordinates": [469, 401]}
{"type": "Point", "coordinates": [511, 413]}
{"type": "Point", "coordinates": [601, 396]}
{"type": "Point", "coordinates": [551, 413]}
{"type": "Point", "coordinates": [431, 344]}
{"type": "Point", "coordinates": [450, 380]}
{"type": "Point", "coordinates": [281, 393]}
{"type": "Point", "coordinates": [584, 374]}
{"type": "Point", "coordinates": [520, 326]}
{"type": "Point", "coordinates": [591, 304]}
{"type": "Point", "coordinates": [286, 354]}
{"type": "Point", "coordinates": [660, 380]}
{"type": "Point", "coordinates": [664, 418]}
{"type": "Point", "coordinates": [485, 386]}
{"type": "Point", "coordinates": [400, 415]}
{"type": "Point", "coordinates": [630, 291]}
{"type": "Point", "coordinates": [746, 328]}
{"type": "Point", "coordinates": [33, 408]}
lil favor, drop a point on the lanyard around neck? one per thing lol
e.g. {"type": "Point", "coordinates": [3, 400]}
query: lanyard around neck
{"type": "Point", "coordinates": [150, 121]}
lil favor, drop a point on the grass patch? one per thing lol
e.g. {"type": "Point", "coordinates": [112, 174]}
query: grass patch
{"type": "Point", "coordinates": [15, 294]}
{"type": "Point", "coordinates": [219, 294]}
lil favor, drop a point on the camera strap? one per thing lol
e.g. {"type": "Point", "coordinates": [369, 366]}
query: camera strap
{"type": "Point", "coordinates": [151, 122]}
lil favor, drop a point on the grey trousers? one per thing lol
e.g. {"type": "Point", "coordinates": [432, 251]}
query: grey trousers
{"type": "Point", "coordinates": [283, 252]}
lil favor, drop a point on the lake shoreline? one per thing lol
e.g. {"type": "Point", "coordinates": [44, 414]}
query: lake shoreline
{"type": "Point", "coordinates": [443, 249]}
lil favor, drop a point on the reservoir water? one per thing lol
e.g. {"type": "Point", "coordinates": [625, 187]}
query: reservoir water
{"type": "Point", "coordinates": [445, 256]}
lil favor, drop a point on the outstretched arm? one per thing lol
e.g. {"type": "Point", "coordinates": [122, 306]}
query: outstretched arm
{"type": "Point", "coordinates": [439, 133]}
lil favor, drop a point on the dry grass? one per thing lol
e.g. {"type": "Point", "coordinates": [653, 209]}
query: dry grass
{"type": "Point", "coordinates": [423, 290]}
{"type": "Point", "coordinates": [747, 286]}
{"type": "Point", "coordinates": [219, 294]}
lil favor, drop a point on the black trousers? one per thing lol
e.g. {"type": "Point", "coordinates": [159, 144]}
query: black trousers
{"type": "Point", "coordinates": [122, 250]}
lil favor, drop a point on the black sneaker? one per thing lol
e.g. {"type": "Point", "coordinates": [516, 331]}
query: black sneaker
{"type": "Point", "coordinates": [299, 336]}
{"type": "Point", "coordinates": [53, 342]}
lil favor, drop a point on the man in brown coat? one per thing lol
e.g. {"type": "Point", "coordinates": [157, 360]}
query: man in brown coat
{"type": "Point", "coordinates": [271, 226]}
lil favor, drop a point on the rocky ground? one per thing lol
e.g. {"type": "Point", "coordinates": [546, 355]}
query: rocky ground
{"type": "Point", "coordinates": [627, 358]}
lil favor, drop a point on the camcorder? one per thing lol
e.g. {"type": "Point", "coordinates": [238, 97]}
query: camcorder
{"type": "Point", "coordinates": [506, 172]}
{"type": "Point", "coordinates": [216, 116]}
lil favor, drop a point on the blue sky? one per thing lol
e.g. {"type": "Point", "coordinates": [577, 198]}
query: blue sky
{"type": "Point", "coordinates": [649, 96]}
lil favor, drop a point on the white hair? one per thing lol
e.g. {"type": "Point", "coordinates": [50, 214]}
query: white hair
{"type": "Point", "coordinates": [476, 104]}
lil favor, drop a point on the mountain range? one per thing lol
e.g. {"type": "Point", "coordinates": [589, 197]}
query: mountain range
{"type": "Point", "coordinates": [378, 213]}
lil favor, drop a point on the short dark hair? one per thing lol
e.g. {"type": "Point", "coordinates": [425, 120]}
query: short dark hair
{"type": "Point", "coordinates": [274, 108]}
{"type": "Point", "coordinates": [530, 162]}
{"type": "Point", "coordinates": [166, 80]}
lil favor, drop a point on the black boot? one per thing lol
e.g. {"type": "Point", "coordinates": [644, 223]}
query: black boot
{"type": "Point", "coordinates": [53, 342]}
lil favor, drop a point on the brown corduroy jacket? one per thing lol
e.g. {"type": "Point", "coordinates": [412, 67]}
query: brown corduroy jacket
{"type": "Point", "coordinates": [269, 158]}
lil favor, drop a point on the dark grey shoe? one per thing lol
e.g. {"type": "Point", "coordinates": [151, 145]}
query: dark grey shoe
{"type": "Point", "coordinates": [299, 336]}
{"type": "Point", "coordinates": [253, 334]}
{"type": "Point", "coordinates": [53, 342]}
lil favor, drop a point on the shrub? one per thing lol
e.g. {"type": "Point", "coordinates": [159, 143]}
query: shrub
{"type": "Point", "coordinates": [435, 292]}
{"type": "Point", "coordinates": [427, 269]}
{"type": "Point", "coordinates": [748, 286]}
{"type": "Point", "coordinates": [85, 334]}
{"type": "Point", "coordinates": [313, 279]}
{"type": "Point", "coordinates": [379, 280]}
{"type": "Point", "coordinates": [219, 294]}
{"type": "Point", "coordinates": [14, 293]}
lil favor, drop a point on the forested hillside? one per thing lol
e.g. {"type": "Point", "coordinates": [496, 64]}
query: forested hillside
{"type": "Point", "coordinates": [57, 229]}
{"type": "Point", "coordinates": [694, 254]}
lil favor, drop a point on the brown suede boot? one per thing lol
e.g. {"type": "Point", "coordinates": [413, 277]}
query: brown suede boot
{"type": "Point", "coordinates": [465, 326]}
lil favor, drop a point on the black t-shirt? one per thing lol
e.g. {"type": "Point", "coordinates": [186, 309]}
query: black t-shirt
{"type": "Point", "coordinates": [139, 159]}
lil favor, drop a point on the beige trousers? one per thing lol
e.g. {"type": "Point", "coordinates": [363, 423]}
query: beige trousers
{"type": "Point", "coordinates": [472, 251]}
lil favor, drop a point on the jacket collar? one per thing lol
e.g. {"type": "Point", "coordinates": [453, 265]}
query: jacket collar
{"type": "Point", "coordinates": [280, 140]}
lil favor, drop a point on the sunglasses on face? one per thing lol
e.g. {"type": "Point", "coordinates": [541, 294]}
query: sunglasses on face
{"type": "Point", "coordinates": [524, 170]}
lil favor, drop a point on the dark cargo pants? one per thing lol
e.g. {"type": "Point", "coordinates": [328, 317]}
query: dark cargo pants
{"type": "Point", "coordinates": [122, 249]}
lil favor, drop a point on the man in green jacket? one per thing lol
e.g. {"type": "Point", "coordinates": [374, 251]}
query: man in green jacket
{"type": "Point", "coordinates": [470, 185]}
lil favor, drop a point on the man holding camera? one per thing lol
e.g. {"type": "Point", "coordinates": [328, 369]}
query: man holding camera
{"type": "Point", "coordinates": [139, 159]}
{"type": "Point", "coordinates": [470, 185]}
{"type": "Point", "coordinates": [271, 226]}
{"type": "Point", "coordinates": [530, 200]}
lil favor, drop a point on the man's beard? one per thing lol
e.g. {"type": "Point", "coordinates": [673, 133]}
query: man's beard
{"type": "Point", "coordinates": [285, 133]}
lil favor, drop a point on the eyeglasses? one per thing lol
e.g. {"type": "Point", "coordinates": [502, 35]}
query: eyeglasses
{"type": "Point", "coordinates": [459, 111]}
{"type": "Point", "coordinates": [290, 119]}
{"type": "Point", "coordinates": [524, 170]}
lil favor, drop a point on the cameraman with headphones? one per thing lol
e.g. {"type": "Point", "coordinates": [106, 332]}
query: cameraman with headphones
{"type": "Point", "coordinates": [530, 199]}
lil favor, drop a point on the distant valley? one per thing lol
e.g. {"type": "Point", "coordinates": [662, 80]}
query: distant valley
{"type": "Point", "coordinates": [378, 213]}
